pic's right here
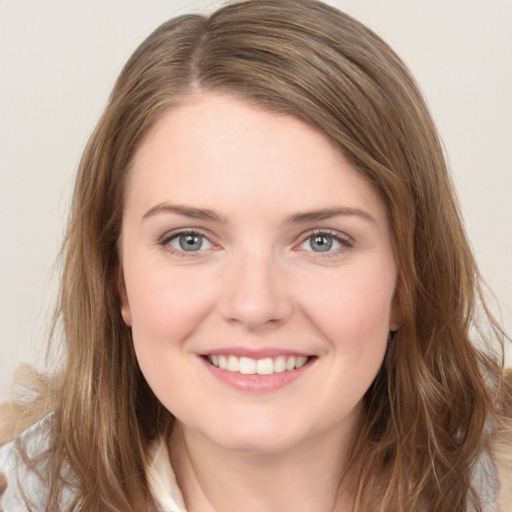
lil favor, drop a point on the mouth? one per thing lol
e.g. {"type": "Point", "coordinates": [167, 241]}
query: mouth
{"type": "Point", "coordinates": [250, 366]}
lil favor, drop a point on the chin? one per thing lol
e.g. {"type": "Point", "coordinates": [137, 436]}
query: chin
{"type": "Point", "coordinates": [262, 437]}
{"type": "Point", "coordinates": [255, 445]}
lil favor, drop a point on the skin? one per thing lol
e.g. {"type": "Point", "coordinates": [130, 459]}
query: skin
{"type": "Point", "coordinates": [257, 282]}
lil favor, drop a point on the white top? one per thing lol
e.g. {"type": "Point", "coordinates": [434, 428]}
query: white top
{"type": "Point", "coordinates": [161, 478]}
{"type": "Point", "coordinates": [162, 481]}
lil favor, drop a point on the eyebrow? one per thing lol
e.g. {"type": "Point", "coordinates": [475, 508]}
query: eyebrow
{"type": "Point", "coordinates": [328, 213]}
{"type": "Point", "coordinates": [296, 218]}
{"type": "Point", "coordinates": [186, 211]}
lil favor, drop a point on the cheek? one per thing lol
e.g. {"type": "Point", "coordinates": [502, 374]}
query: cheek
{"type": "Point", "coordinates": [352, 312]}
{"type": "Point", "coordinates": [167, 304]}
{"type": "Point", "coordinates": [166, 308]}
{"type": "Point", "coordinates": [351, 305]}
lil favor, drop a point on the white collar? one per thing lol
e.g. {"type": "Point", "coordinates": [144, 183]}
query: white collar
{"type": "Point", "coordinates": [162, 481]}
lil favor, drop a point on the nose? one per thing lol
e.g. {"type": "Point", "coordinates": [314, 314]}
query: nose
{"type": "Point", "coordinates": [255, 293]}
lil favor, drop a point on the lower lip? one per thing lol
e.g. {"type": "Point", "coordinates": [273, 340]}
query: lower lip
{"type": "Point", "coordinates": [257, 383]}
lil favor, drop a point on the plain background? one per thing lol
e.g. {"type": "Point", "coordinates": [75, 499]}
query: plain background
{"type": "Point", "coordinates": [59, 60]}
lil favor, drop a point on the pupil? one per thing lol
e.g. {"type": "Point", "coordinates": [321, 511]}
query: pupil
{"type": "Point", "coordinates": [190, 242]}
{"type": "Point", "coordinates": [321, 243]}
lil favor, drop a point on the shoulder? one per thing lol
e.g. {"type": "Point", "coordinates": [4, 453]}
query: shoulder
{"type": "Point", "coordinates": [19, 482]}
{"type": "Point", "coordinates": [500, 444]}
{"type": "Point", "coordinates": [500, 447]}
{"type": "Point", "coordinates": [11, 498]}
{"type": "Point", "coordinates": [485, 482]}
{"type": "Point", "coordinates": [13, 472]}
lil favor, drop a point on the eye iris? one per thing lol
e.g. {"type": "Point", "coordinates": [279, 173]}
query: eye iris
{"type": "Point", "coordinates": [321, 243]}
{"type": "Point", "coordinates": [190, 242]}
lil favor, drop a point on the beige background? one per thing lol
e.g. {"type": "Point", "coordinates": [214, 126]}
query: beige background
{"type": "Point", "coordinates": [59, 60]}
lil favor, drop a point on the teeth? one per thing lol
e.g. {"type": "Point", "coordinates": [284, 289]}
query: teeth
{"type": "Point", "coordinates": [301, 361]}
{"type": "Point", "coordinates": [265, 366]}
{"type": "Point", "coordinates": [249, 366]}
{"type": "Point", "coordinates": [232, 364]}
{"type": "Point", "coordinates": [280, 364]}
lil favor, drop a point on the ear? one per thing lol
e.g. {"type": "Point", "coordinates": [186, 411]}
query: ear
{"type": "Point", "coordinates": [123, 298]}
{"type": "Point", "coordinates": [396, 316]}
{"type": "Point", "coordinates": [394, 326]}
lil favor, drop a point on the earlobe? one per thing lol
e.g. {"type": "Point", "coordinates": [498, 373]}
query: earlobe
{"type": "Point", "coordinates": [126, 313]}
{"type": "Point", "coordinates": [394, 326]}
{"type": "Point", "coordinates": [395, 319]}
{"type": "Point", "coordinates": [123, 298]}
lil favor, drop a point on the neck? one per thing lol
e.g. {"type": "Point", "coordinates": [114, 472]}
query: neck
{"type": "Point", "coordinates": [305, 478]}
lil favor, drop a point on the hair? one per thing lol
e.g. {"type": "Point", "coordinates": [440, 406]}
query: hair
{"type": "Point", "coordinates": [425, 416]}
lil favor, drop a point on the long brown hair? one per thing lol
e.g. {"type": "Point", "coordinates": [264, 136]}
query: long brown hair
{"type": "Point", "coordinates": [424, 417]}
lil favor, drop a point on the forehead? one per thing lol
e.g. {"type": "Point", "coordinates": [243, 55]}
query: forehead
{"type": "Point", "coordinates": [217, 150]}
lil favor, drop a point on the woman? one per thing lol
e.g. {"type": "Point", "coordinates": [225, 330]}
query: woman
{"type": "Point", "coordinates": [266, 282]}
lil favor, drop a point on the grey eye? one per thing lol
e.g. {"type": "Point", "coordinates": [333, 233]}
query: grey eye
{"type": "Point", "coordinates": [190, 242]}
{"type": "Point", "coordinates": [321, 243]}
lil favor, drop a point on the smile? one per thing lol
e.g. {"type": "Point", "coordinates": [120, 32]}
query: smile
{"type": "Point", "coordinates": [249, 366]}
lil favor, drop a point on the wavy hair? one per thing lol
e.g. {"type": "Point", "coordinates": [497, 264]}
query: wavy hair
{"type": "Point", "coordinates": [424, 419]}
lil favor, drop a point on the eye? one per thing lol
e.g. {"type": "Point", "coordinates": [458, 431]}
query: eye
{"type": "Point", "coordinates": [188, 241]}
{"type": "Point", "coordinates": [325, 242]}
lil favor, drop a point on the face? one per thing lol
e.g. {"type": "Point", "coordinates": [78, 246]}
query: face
{"type": "Point", "coordinates": [259, 276]}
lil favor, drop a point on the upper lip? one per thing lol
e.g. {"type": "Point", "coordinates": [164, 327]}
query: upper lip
{"type": "Point", "coordinates": [260, 353]}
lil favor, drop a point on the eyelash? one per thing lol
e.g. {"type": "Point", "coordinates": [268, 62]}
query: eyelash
{"type": "Point", "coordinates": [165, 241]}
{"type": "Point", "coordinates": [344, 241]}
